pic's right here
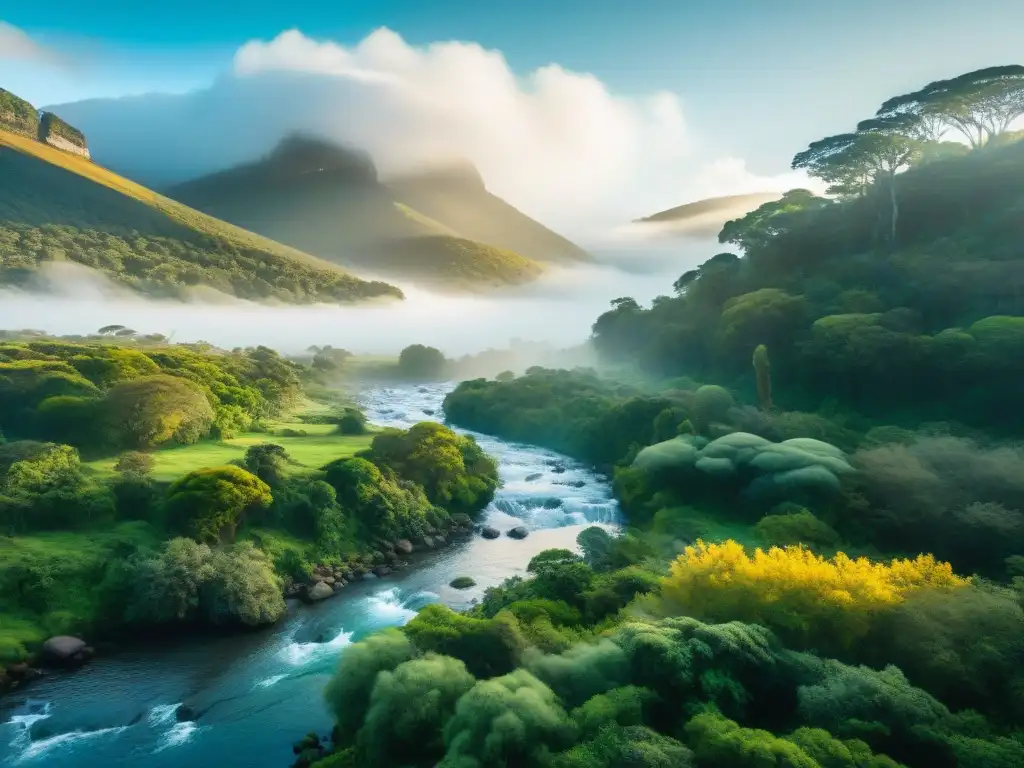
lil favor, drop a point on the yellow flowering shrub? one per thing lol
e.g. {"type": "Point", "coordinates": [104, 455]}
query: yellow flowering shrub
{"type": "Point", "coordinates": [806, 598]}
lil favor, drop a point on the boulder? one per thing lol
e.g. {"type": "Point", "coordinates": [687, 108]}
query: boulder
{"type": "Point", "coordinates": [534, 476]}
{"type": "Point", "coordinates": [381, 570]}
{"type": "Point", "coordinates": [391, 557]}
{"type": "Point", "coordinates": [65, 650]}
{"type": "Point", "coordinates": [329, 580]}
{"type": "Point", "coordinates": [185, 713]}
{"type": "Point", "coordinates": [403, 546]}
{"type": "Point", "coordinates": [490, 533]}
{"type": "Point", "coordinates": [320, 590]}
{"type": "Point", "coordinates": [428, 542]}
{"type": "Point", "coordinates": [440, 540]}
{"type": "Point", "coordinates": [519, 532]}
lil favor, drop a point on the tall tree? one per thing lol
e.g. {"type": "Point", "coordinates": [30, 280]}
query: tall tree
{"type": "Point", "coordinates": [768, 220]}
{"type": "Point", "coordinates": [980, 105]}
{"type": "Point", "coordinates": [854, 163]}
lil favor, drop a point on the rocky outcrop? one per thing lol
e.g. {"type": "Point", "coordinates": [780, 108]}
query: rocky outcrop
{"type": "Point", "coordinates": [57, 133]}
{"type": "Point", "coordinates": [17, 115]}
{"type": "Point", "coordinates": [65, 651]}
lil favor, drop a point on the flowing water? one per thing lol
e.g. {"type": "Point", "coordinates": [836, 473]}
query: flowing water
{"type": "Point", "coordinates": [258, 692]}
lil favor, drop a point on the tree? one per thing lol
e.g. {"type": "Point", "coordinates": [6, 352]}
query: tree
{"type": "Point", "coordinates": [268, 461]}
{"type": "Point", "coordinates": [109, 330]}
{"type": "Point", "coordinates": [153, 410]}
{"type": "Point", "coordinates": [853, 163]}
{"type": "Point", "coordinates": [980, 105]}
{"type": "Point", "coordinates": [135, 462]}
{"type": "Point", "coordinates": [419, 362]}
{"type": "Point", "coordinates": [756, 229]}
{"type": "Point", "coordinates": [208, 504]}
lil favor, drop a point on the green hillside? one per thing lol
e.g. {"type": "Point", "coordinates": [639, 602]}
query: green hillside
{"type": "Point", "coordinates": [726, 205]}
{"type": "Point", "coordinates": [327, 200]}
{"type": "Point", "coordinates": [456, 196]}
{"type": "Point", "coordinates": [55, 206]}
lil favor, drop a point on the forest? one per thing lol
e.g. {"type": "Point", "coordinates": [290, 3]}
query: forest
{"type": "Point", "coordinates": [813, 445]}
{"type": "Point", "coordinates": [119, 515]}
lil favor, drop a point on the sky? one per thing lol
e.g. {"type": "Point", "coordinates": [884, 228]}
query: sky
{"type": "Point", "coordinates": [692, 99]}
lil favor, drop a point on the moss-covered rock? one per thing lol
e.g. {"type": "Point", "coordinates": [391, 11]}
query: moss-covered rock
{"type": "Point", "coordinates": [17, 115]}
{"type": "Point", "coordinates": [57, 133]}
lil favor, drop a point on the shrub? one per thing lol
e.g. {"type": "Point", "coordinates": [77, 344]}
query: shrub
{"type": "Point", "coordinates": [208, 504]}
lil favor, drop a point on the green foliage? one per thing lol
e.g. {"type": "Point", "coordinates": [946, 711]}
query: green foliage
{"type": "Point", "coordinates": [348, 692]}
{"type": "Point", "coordinates": [51, 125]}
{"type": "Point", "coordinates": [619, 747]}
{"type": "Point", "coordinates": [134, 462]}
{"type": "Point", "coordinates": [487, 647]}
{"type": "Point", "coordinates": [462, 582]}
{"type": "Point", "coordinates": [452, 469]}
{"type": "Point", "coordinates": [762, 372]}
{"type": "Point", "coordinates": [409, 708]}
{"type": "Point", "coordinates": [510, 720]}
{"type": "Point", "coordinates": [382, 505]}
{"type": "Point", "coordinates": [574, 412]}
{"type": "Point", "coordinates": [421, 363]}
{"type": "Point", "coordinates": [208, 504]}
{"type": "Point", "coordinates": [154, 410]}
{"type": "Point", "coordinates": [18, 115]}
{"type": "Point", "coordinates": [800, 527]}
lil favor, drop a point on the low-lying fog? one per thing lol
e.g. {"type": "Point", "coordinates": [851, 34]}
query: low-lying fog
{"type": "Point", "coordinates": [558, 309]}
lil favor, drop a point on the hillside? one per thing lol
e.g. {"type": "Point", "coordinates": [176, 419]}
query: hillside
{"type": "Point", "coordinates": [704, 218]}
{"type": "Point", "coordinates": [456, 196]}
{"type": "Point", "coordinates": [57, 206]}
{"type": "Point", "coordinates": [912, 325]}
{"type": "Point", "coordinates": [327, 200]}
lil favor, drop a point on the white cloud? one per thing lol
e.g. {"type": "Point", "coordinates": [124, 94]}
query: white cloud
{"type": "Point", "coordinates": [557, 144]}
{"type": "Point", "coordinates": [16, 44]}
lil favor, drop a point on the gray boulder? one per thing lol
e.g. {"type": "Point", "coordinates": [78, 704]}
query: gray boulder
{"type": "Point", "coordinates": [319, 591]}
{"type": "Point", "coordinates": [65, 650]}
{"type": "Point", "coordinates": [490, 533]}
{"type": "Point", "coordinates": [519, 532]}
{"type": "Point", "coordinates": [381, 570]}
{"type": "Point", "coordinates": [403, 546]}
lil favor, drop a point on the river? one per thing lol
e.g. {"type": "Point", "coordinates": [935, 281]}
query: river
{"type": "Point", "coordinates": [257, 692]}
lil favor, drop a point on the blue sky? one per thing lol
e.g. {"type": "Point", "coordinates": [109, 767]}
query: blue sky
{"type": "Point", "coordinates": [731, 61]}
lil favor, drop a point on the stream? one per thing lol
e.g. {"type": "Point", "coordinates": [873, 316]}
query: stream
{"type": "Point", "coordinates": [258, 692]}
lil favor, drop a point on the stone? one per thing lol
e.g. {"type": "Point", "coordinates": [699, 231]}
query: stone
{"type": "Point", "coordinates": [428, 542]}
{"type": "Point", "coordinates": [329, 580]}
{"type": "Point", "coordinates": [519, 532]}
{"type": "Point", "coordinates": [64, 650]}
{"type": "Point", "coordinates": [350, 575]}
{"type": "Point", "coordinates": [440, 540]}
{"type": "Point", "coordinates": [185, 713]}
{"type": "Point", "coordinates": [403, 546]}
{"type": "Point", "coordinates": [320, 590]}
{"type": "Point", "coordinates": [392, 558]}
{"type": "Point", "coordinates": [534, 476]}
{"type": "Point", "coordinates": [490, 533]}
{"type": "Point", "coordinates": [381, 570]}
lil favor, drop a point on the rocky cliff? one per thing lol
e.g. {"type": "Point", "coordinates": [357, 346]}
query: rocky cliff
{"type": "Point", "coordinates": [57, 133]}
{"type": "Point", "coordinates": [17, 115]}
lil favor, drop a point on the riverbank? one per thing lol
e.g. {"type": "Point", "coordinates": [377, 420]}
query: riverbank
{"type": "Point", "coordinates": [248, 689]}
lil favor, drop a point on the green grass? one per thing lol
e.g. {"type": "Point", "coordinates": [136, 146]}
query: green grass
{"type": "Point", "coordinates": [60, 571]}
{"type": "Point", "coordinates": [319, 446]}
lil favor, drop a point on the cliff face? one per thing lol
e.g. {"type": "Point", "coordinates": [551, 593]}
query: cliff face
{"type": "Point", "coordinates": [17, 115]}
{"type": "Point", "coordinates": [57, 133]}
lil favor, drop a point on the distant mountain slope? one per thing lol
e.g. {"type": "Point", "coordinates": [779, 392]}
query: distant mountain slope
{"type": "Point", "coordinates": [58, 206]}
{"type": "Point", "coordinates": [704, 218]}
{"type": "Point", "coordinates": [455, 195]}
{"type": "Point", "coordinates": [327, 200]}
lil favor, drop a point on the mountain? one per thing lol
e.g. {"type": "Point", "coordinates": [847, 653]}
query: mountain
{"type": "Point", "coordinates": [704, 218]}
{"type": "Point", "coordinates": [56, 206]}
{"type": "Point", "coordinates": [328, 200]}
{"type": "Point", "coordinates": [455, 195]}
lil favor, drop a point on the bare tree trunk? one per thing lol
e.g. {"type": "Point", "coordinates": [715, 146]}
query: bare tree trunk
{"type": "Point", "coordinates": [895, 208]}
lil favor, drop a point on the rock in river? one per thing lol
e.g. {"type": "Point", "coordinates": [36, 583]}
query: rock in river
{"type": "Point", "coordinates": [490, 533]}
{"type": "Point", "coordinates": [320, 590]}
{"type": "Point", "coordinates": [519, 532]}
{"type": "Point", "coordinates": [185, 713]}
{"type": "Point", "coordinates": [65, 650]}
{"type": "Point", "coordinates": [404, 546]}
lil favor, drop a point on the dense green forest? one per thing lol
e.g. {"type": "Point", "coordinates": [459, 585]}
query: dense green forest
{"type": "Point", "coordinates": [97, 547]}
{"type": "Point", "coordinates": [58, 207]}
{"type": "Point", "coordinates": [812, 444]}
{"type": "Point", "coordinates": [901, 296]}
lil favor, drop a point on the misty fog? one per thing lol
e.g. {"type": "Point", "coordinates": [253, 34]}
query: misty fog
{"type": "Point", "coordinates": [558, 309]}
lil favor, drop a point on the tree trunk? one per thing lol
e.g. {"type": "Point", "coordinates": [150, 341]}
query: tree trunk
{"type": "Point", "coordinates": [895, 208]}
